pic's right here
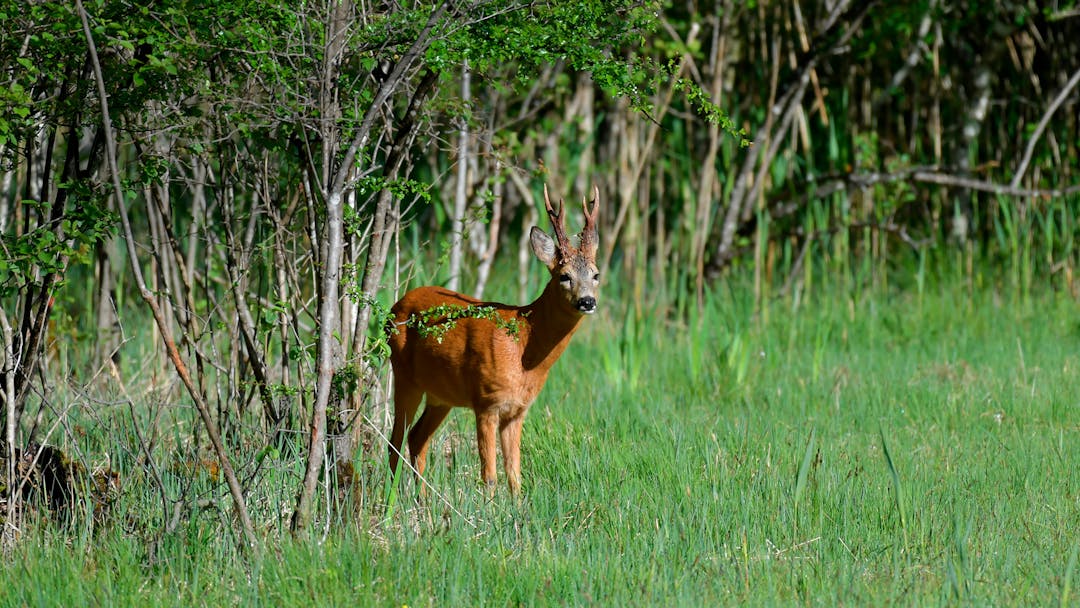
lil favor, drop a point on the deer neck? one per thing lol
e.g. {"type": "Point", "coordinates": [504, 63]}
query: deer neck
{"type": "Point", "coordinates": [551, 325]}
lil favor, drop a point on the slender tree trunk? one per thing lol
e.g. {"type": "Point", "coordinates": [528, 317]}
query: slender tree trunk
{"type": "Point", "coordinates": [491, 242]}
{"type": "Point", "coordinates": [461, 193]}
{"type": "Point", "coordinates": [707, 189]}
{"type": "Point", "coordinates": [328, 295]}
{"type": "Point", "coordinates": [333, 180]}
{"type": "Point", "coordinates": [8, 366]}
{"type": "Point", "coordinates": [524, 254]}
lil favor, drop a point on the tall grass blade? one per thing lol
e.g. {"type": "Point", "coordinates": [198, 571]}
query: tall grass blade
{"type": "Point", "coordinates": [959, 566]}
{"type": "Point", "coordinates": [898, 488]}
{"type": "Point", "coordinates": [392, 490]}
{"type": "Point", "coordinates": [1070, 568]}
{"type": "Point", "coordinates": [804, 472]}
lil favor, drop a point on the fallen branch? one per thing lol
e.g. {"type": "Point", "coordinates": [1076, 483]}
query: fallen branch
{"type": "Point", "coordinates": [945, 179]}
{"type": "Point", "coordinates": [922, 174]}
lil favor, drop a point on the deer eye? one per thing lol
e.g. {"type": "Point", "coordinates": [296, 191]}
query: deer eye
{"type": "Point", "coordinates": [596, 278]}
{"type": "Point", "coordinates": [564, 278]}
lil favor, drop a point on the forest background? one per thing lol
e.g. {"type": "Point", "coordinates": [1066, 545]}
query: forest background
{"type": "Point", "coordinates": [206, 209]}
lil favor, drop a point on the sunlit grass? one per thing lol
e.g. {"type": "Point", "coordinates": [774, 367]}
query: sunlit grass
{"type": "Point", "coordinates": [891, 449]}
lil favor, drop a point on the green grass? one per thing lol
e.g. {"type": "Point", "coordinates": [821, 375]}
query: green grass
{"type": "Point", "coordinates": [899, 449]}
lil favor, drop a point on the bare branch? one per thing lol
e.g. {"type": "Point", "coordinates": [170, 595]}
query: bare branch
{"type": "Point", "coordinates": [1037, 133]}
{"type": "Point", "coordinates": [991, 187]}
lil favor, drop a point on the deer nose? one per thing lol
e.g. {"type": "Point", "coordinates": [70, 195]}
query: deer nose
{"type": "Point", "coordinates": [587, 305]}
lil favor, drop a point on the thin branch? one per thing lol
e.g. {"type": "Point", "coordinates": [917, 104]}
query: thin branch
{"type": "Point", "coordinates": [915, 54]}
{"type": "Point", "coordinates": [1037, 133]}
{"type": "Point", "coordinates": [7, 374]}
{"type": "Point", "coordinates": [388, 87]}
{"type": "Point", "coordinates": [984, 186]}
{"type": "Point", "coordinates": [922, 174]}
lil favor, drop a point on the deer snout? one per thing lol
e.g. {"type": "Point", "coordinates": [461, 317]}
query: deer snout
{"type": "Point", "coordinates": [587, 305]}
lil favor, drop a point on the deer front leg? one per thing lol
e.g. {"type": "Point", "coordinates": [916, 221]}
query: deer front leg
{"type": "Point", "coordinates": [486, 425]}
{"type": "Point", "coordinates": [510, 434]}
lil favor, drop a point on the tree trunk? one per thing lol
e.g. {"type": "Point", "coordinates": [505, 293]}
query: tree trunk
{"type": "Point", "coordinates": [461, 192]}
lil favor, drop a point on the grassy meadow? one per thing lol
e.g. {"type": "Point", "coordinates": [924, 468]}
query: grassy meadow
{"type": "Point", "coordinates": [911, 447]}
{"type": "Point", "coordinates": [853, 414]}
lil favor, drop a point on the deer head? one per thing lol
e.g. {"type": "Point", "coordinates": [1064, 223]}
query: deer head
{"type": "Point", "coordinates": [573, 268]}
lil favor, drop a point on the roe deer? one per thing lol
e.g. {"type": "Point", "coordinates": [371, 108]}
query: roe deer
{"type": "Point", "coordinates": [491, 357]}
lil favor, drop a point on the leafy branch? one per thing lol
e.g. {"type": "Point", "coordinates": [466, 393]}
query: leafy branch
{"type": "Point", "coordinates": [437, 321]}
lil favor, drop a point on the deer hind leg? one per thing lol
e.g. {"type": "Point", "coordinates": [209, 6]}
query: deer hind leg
{"type": "Point", "coordinates": [486, 425]}
{"type": "Point", "coordinates": [406, 402]}
{"type": "Point", "coordinates": [421, 434]}
{"type": "Point", "coordinates": [510, 436]}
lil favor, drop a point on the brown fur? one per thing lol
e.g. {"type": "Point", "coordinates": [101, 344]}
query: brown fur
{"type": "Point", "coordinates": [484, 365]}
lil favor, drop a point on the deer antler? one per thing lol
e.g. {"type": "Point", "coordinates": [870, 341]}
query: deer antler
{"type": "Point", "coordinates": [588, 234]}
{"type": "Point", "coordinates": [557, 223]}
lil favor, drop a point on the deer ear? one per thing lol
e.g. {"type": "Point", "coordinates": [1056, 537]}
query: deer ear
{"type": "Point", "coordinates": [543, 246]}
